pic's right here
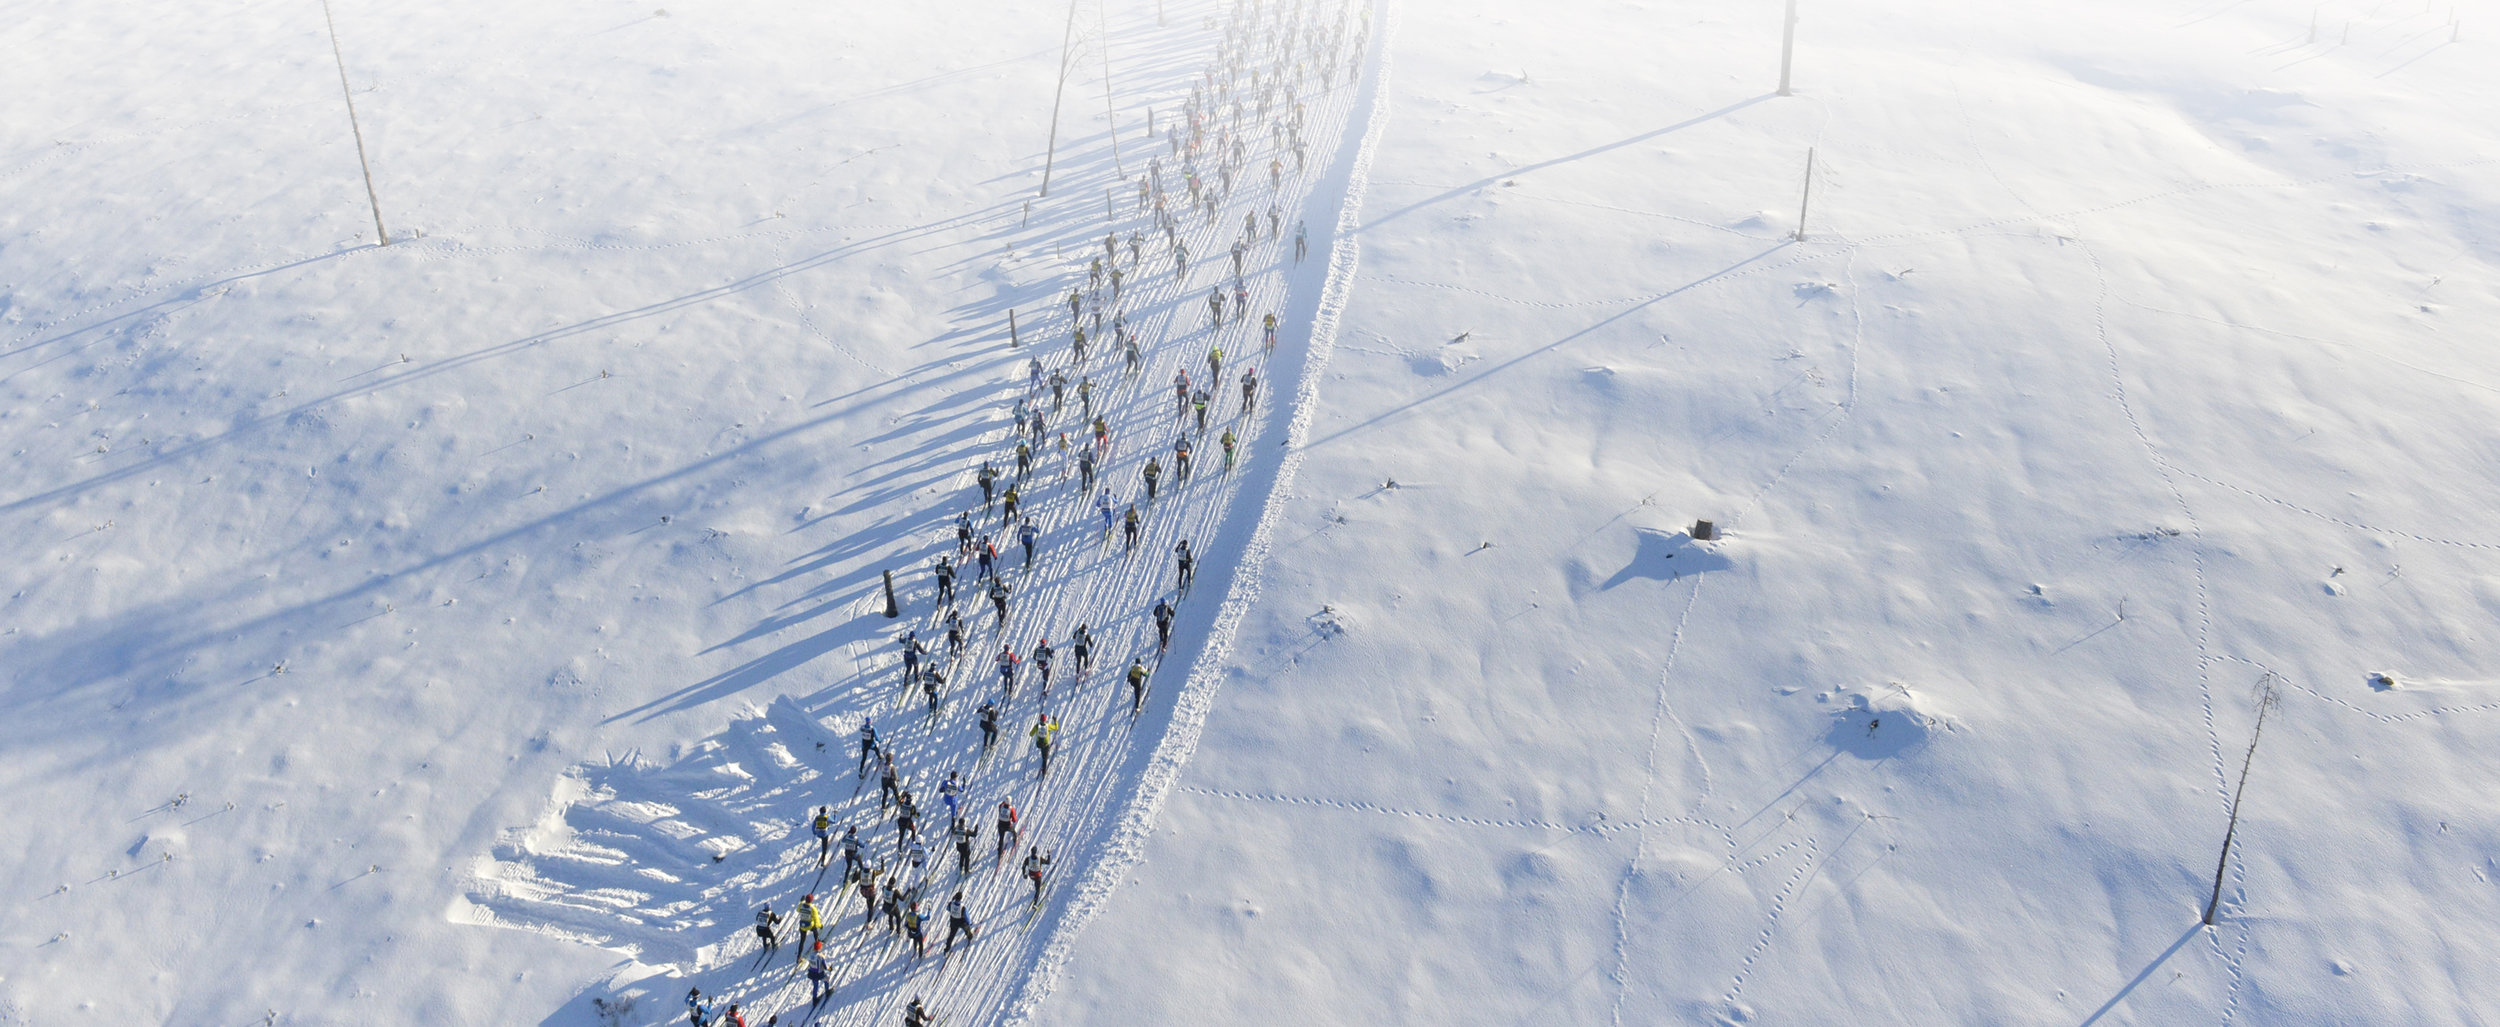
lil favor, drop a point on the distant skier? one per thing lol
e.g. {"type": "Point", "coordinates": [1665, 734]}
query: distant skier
{"type": "Point", "coordinates": [1301, 231]}
{"type": "Point", "coordinates": [1187, 564]}
{"type": "Point", "coordinates": [1030, 535]}
{"type": "Point", "coordinates": [1136, 685]}
{"type": "Point", "coordinates": [1163, 625]}
{"type": "Point", "coordinates": [823, 826]}
{"type": "Point", "coordinates": [989, 726]}
{"type": "Point", "coordinates": [1130, 526]}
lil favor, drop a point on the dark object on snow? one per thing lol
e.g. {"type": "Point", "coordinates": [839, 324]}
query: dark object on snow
{"type": "Point", "coordinates": [892, 609]}
{"type": "Point", "coordinates": [1704, 531]}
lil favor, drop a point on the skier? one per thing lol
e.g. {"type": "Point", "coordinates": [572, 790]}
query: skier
{"type": "Point", "coordinates": [1227, 440]}
{"type": "Point", "coordinates": [989, 726]}
{"type": "Point", "coordinates": [1130, 526]}
{"type": "Point", "coordinates": [1268, 333]}
{"type": "Point", "coordinates": [912, 929]}
{"type": "Point", "coordinates": [819, 978]}
{"type": "Point", "coordinates": [1006, 830]}
{"type": "Point", "coordinates": [1180, 460]}
{"type": "Point", "coordinates": [958, 920]}
{"type": "Point", "coordinates": [868, 895]}
{"type": "Point", "coordinates": [1301, 237]}
{"type": "Point", "coordinates": [945, 581]}
{"type": "Point", "coordinates": [952, 790]}
{"type": "Point", "coordinates": [954, 634]}
{"type": "Point", "coordinates": [1007, 661]}
{"type": "Point", "coordinates": [1215, 307]}
{"type": "Point", "coordinates": [1041, 662]}
{"type": "Point", "coordinates": [988, 476]}
{"type": "Point", "coordinates": [867, 744]}
{"type": "Point", "coordinates": [1036, 867]}
{"type": "Point", "coordinates": [1029, 535]}
{"type": "Point", "coordinates": [963, 533]}
{"type": "Point", "coordinates": [823, 826]}
{"type": "Point", "coordinates": [987, 554]}
{"type": "Point", "coordinates": [965, 834]}
{"type": "Point", "coordinates": [918, 1015]}
{"type": "Point", "coordinates": [1154, 473]}
{"type": "Point", "coordinates": [1010, 509]}
{"type": "Point", "coordinates": [810, 920]}
{"type": "Point", "coordinates": [766, 922]}
{"type": "Point", "coordinates": [889, 786]}
{"type": "Point", "coordinates": [852, 865]}
{"type": "Point", "coordinates": [1163, 625]}
{"type": "Point", "coordinates": [1045, 731]}
{"type": "Point", "coordinates": [1241, 301]}
{"type": "Point", "coordinates": [1085, 474]}
{"type": "Point", "coordinates": [1102, 502]}
{"type": "Point", "coordinates": [1136, 685]}
{"type": "Point", "coordinates": [1084, 649]}
{"type": "Point", "coordinates": [998, 598]}
{"type": "Point", "coordinates": [1198, 403]}
{"type": "Point", "coordinates": [1188, 565]}
{"type": "Point", "coordinates": [1215, 365]}
{"type": "Point", "coordinates": [1249, 389]}
{"type": "Point", "coordinates": [912, 650]}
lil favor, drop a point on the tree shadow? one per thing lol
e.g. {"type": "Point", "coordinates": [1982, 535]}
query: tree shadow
{"type": "Point", "coordinates": [2142, 976]}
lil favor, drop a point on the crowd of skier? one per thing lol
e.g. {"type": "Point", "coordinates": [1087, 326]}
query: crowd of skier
{"type": "Point", "coordinates": [1232, 147]}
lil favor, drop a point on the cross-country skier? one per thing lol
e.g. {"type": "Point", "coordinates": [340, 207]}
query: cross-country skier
{"type": "Point", "coordinates": [1036, 867]}
{"type": "Point", "coordinates": [1010, 509]}
{"type": "Point", "coordinates": [1154, 472]}
{"type": "Point", "coordinates": [918, 1015]}
{"type": "Point", "coordinates": [766, 924]}
{"type": "Point", "coordinates": [1007, 660]}
{"type": "Point", "coordinates": [852, 866]}
{"type": "Point", "coordinates": [1045, 731]}
{"type": "Point", "coordinates": [1301, 231]}
{"type": "Point", "coordinates": [1085, 474]}
{"type": "Point", "coordinates": [1102, 502]}
{"type": "Point", "coordinates": [868, 896]}
{"type": "Point", "coordinates": [1041, 663]}
{"type": "Point", "coordinates": [965, 834]}
{"type": "Point", "coordinates": [1215, 365]}
{"type": "Point", "coordinates": [823, 826]}
{"type": "Point", "coordinates": [988, 476]}
{"type": "Point", "coordinates": [1163, 624]}
{"type": "Point", "coordinates": [954, 634]}
{"type": "Point", "coordinates": [1180, 460]}
{"type": "Point", "coordinates": [1006, 832]}
{"type": "Point", "coordinates": [1249, 389]}
{"type": "Point", "coordinates": [809, 920]}
{"type": "Point", "coordinates": [1136, 685]}
{"type": "Point", "coordinates": [819, 977]}
{"type": "Point", "coordinates": [952, 790]}
{"type": "Point", "coordinates": [1227, 440]}
{"type": "Point", "coordinates": [1188, 565]}
{"type": "Point", "coordinates": [1267, 334]}
{"type": "Point", "coordinates": [1084, 649]}
{"type": "Point", "coordinates": [958, 920]}
{"type": "Point", "coordinates": [1129, 525]}
{"type": "Point", "coordinates": [998, 598]}
{"type": "Point", "coordinates": [889, 782]}
{"type": "Point", "coordinates": [867, 744]}
{"type": "Point", "coordinates": [1030, 535]}
{"type": "Point", "coordinates": [945, 581]}
{"type": "Point", "coordinates": [989, 725]}
{"type": "Point", "coordinates": [1215, 307]}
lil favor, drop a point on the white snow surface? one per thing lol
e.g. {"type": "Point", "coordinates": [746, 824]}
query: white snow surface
{"type": "Point", "coordinates": [444, 632]}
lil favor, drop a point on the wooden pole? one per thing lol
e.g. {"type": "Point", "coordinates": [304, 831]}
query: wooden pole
{"type": "Point", "coordinates": [378, 231]}
{"type": "Point", "coordinates": [1066, 37]}
{"type": "Point", "coordinates": [1788, 45]}
{"type": "Point", "coordinates": [1808, 196]}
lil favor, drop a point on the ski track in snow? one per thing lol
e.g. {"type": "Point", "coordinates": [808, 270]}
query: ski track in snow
{"type": "Point", "coordinates": [668, 862]}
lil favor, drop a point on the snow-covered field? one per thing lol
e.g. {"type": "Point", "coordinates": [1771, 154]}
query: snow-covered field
{"type": "Point", "coordinates": [445, 632]}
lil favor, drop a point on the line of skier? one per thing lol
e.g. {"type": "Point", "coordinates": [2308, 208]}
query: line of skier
{"type": "Point", "coordinates": [1270, 51]}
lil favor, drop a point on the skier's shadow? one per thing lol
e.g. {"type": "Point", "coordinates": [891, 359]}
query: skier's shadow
{"type": "Point", "coordinates": [1665, 556]}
